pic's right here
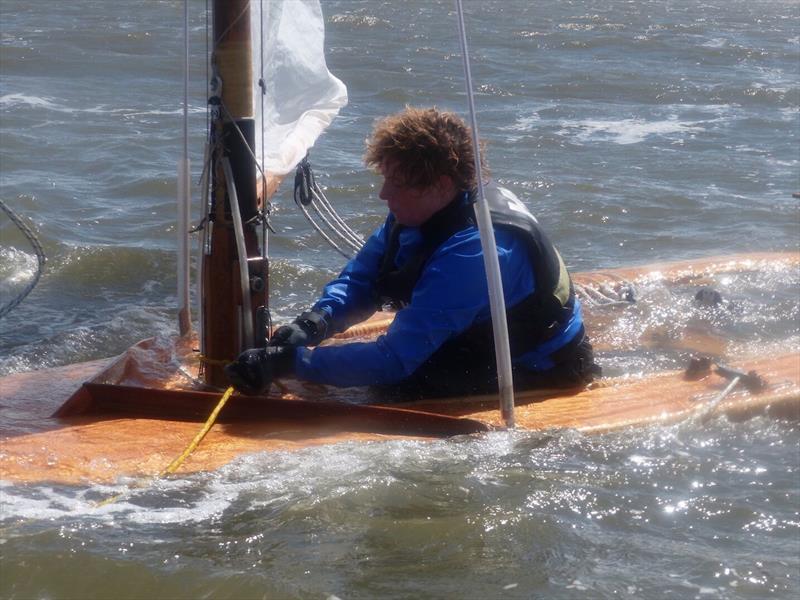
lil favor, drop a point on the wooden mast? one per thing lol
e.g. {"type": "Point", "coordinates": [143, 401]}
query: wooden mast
{"type": "Point", "coordinates": [224, 319]}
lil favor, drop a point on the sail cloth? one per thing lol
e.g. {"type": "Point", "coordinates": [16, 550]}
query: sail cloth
{"type": "Point", "coordinates": [300, 95]}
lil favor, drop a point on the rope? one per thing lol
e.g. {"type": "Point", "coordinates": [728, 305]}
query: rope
{"type": "Point", "coordinates": [41, 259]}
{"type": "Point", "coordinates": [307, 192]}
{"type": "Point", "coordinates": [604, 296]}
{"type": "Point", "coordinates": [708, 411]}
{"type": "Point", "coordinates": [213, 361]}
{"type": "Point", "coordinates": [324, 235]}
{"type": "Point", "coordinates": [322, 200]}
{"type": "Point", "coordinates": [175, 464]}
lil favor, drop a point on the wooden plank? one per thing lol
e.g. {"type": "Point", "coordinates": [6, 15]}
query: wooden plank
{"type": "Point", "coordinates": [91, 450]}
{"type": "Point", "coordinates": [104, 401]}
{"type": "Point", "coordinates": [85, 449]}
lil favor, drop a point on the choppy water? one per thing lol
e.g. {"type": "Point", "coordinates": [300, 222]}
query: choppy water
{"type": "Point", "coordinates": [637, 131]}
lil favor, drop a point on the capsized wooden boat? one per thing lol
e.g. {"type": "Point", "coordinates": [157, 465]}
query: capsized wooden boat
{"type": "Point", "coordinates": [131, 415]}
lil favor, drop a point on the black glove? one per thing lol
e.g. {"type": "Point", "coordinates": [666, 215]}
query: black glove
{"type": "Point", "coordinates": [309, 329]}
{"type": "Point", "coordinates": [255, 369]}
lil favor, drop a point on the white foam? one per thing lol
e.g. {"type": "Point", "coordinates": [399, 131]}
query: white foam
{"type": "Point", "coordinates": [16, 267]}
{"type": "Point", "coordinates": [256, 480]}
{"type": "Point", "coordinates": [524, 123]}
{"type": "Point", "coordinates": [11, 100]}
{"type": "Point", "coordinates": [716, 43]}
{"type": "Point", "coordinates": [19, 99]}
{"type": "Point", "coordinates": [528, 121]}
{"type": "Point", "coordinates": [625, 131]}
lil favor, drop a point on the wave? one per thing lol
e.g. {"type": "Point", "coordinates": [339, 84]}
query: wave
{"type": "Point", "coordinates": [356, 20]}
{"type": "Point", "coordinates": [624, 131]}
{"type": "Point", "coordinates": [16, 268]}
{"type": "Point", "coordinates": [17, 100]}
{"type": "Point", "coordinates": [14, 100]}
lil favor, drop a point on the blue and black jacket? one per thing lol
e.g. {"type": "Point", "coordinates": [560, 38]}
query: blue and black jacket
{"type": "Point", "coordinates": [436, 276]}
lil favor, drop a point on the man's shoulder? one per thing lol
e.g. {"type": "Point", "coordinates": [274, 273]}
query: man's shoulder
{"type": "Point", "coordinates": [467, 242]}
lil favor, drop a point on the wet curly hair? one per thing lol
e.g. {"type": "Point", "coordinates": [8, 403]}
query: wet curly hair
{"type": "Point", "coordinates": [425, 143]}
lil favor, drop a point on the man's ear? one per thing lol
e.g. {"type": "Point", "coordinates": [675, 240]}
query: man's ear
{"type": "Point", "coordinates": [445, 186]}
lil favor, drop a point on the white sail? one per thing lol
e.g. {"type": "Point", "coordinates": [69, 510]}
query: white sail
{"type": "Point", "coordinates": [301, 96]}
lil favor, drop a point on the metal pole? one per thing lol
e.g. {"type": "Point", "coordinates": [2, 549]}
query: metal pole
{"type": "Point", "coordinates": [184, 311]}
{"type": "Point", "coordinates": [491, 262]}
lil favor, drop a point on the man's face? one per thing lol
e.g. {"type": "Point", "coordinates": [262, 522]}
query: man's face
{"type": "Point", "coordinates": [412, 206]}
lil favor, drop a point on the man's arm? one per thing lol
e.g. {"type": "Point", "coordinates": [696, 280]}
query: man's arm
{"type": "Point", "coordinates": [349, 299]}
{"type": "Point", "coordinates": [450, 295]}
{"type": "Point", "coordinates": [345, 300]}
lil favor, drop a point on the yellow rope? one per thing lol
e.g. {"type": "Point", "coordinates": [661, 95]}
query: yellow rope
{"type": "Point", "coordinates": [213, 361]}
{"type": "Point", "coordinates": [175, 464]}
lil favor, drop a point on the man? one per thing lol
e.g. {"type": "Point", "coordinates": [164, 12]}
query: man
{"type": "Point", "coordinates": [427, 261]}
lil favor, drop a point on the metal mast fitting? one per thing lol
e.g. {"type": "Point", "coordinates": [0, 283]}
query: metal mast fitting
{"type": "Point", "coordinates": [234, 272]}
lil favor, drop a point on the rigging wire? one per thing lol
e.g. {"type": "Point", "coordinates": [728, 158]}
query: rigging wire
{"type": "Point", "coordinates": [263, 213]}
{"type": "Point", "coordinates": [217, 111]}
{"type": "Point", "coordinates": [322, 200]}
{"type": "Point", "coordinates": [307, 192]}
{"type": "Point", "coordinates": [316, 198]}
{"type": "Point", "coordinates": [324, 235]}
{"type": "Point", "coordinates": [264, 192]}
{"type": "Point", "coordinates": [41, 259]}
{"type": "Point", "coordinates": [334, 228]}
{"type": "Point", "coordinates": [238, 18]}
{"type": "Point", "coordinates": [208, 78]}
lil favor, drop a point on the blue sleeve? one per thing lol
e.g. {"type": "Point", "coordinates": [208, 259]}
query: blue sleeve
{"type": "Point", "coordinates": [348, 298]}
{"type": "Point", "coordinates": [449, 296]}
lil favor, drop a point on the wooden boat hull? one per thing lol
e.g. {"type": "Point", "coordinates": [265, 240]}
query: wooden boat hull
{"type": "Point", "coordinates": [106, 445]}
{"type": "Point", "coordinates": [136, 426]}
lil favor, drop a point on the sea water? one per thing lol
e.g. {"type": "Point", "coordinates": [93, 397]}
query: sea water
{"type": "Point", "coordinates": [637, 132]}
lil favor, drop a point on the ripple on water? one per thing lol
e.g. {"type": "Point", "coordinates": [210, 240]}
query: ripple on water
{"type": "Point", "coordinates": [550, 512]}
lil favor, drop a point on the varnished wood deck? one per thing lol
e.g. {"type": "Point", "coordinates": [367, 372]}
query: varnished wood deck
{"type": "Point", "coordinates": [108, 443]}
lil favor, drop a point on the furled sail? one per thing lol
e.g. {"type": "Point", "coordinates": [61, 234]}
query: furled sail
{"type": "Point", "coordinates": [298, 97]}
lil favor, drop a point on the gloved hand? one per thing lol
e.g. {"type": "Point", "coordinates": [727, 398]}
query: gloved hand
{"type": "Point", "coordinates": [254, 370]}
{"type": "Point", "coordinates": [309, 329]}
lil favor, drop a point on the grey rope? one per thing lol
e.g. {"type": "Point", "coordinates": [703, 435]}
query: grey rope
{"type": "Point", "coordinates": [603, 295]}
{"type": "Point", "coordinates": [334, 228]}
{"type": "Point", "coordinates": [41, 259]}
{"type": "Point", "coordinates": [324, 235]}
{"type": "Point", "coordinates": [344, 230]}
{"type": "Point", "coordinates": [308, 193]}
